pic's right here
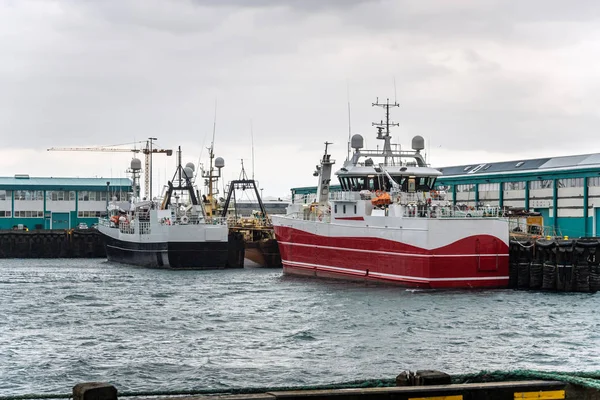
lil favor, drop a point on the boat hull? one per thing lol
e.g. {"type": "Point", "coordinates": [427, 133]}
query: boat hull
{"type": "Point", "coordinates": [424, 254]}
{"type": "Point", "coordinates": [264, 252]}
{"type": "Point", "coordinates": [174, 254]}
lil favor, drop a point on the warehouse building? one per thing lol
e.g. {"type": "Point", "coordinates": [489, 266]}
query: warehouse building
{"type": "Point", "coordinates": [564, 190]}
{"type": "Point", "coordinates": [57, 203]}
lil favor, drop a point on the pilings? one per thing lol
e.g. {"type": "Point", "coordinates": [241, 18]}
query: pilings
{"type": "Point", "coordinates": [87, 243]}
{"type": "Point", "coordinates": [564, 265]}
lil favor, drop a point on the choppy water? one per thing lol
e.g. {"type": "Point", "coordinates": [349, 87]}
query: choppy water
{"type": "Point", "coordinates": [68, 321]}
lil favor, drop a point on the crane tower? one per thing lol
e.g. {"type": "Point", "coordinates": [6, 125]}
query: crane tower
{"type": "Point", "coordinates": [148, 150]}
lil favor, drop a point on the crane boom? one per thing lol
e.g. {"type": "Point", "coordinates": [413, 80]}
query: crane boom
{"type": "Point", "coordinates": [92, 149]}
{"type": "Point", "coordinates": [147, 151]}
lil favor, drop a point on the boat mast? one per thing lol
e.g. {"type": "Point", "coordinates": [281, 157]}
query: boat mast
{"type": "Point", "coordinates": [387, 147]}
{"type": "Point", "coordinates": [211, 178]}
{"type": "Point", "coordinates": [210, 209]}
{"type": "Point", "coordinates": [324, 174]}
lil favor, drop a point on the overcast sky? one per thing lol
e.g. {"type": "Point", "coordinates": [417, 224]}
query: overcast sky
{"type": "Point", "coordinates": [480, 80]}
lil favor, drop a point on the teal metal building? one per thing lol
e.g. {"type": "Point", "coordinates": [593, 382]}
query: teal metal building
{"type": "Point", "coordinates": [564, 190]}
{"type": "Point", "coordinates": [57, 203]}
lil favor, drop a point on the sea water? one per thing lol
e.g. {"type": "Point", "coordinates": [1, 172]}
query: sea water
{"type": "Point", "coordinates": [66, 321]}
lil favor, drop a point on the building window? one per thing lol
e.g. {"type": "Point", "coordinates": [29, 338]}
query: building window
{"type": "Point", "coordinates": [4, 214]}
{"type": "Point", "coordinates": [90, 214]}
{"type": "Point", "coordinates": [514, 186]}
{"type": "Point", "coordinates": [541, 184]}
{"type": "Point", "coordinates": [489, 187]}
{"type": "Point", "coordinates": [444, 188]}
{"type": "Point", "coordinates": [28, 195]}
{"type": "Point", "coordinates": [60, 195]}
{"type": "Point", "coordinates": [5, 194]}
{"type": "Point", "coordinates": [594, 181]}
{"type": "Point", "coordinates": [469, 187]}
{"type": "Point", "coordinates": [29, 214]}
{"type": "Point", "coordinates": [570, 183]}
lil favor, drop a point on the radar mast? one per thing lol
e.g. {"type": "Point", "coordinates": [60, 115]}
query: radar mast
{"type": "Point", "coordinates": [381, 125]}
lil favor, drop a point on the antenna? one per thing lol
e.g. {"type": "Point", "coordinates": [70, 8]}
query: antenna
{"type": "Point", "coordinates": [395, 90]}
{"type": "Point", "coordinates": [385, 136]}
{"type": "Point", "coordinates": [252, 138]}
{"type": "Point", "coordinates": [214, 126]}
{"type": "Point", "coordinates": [380, 125]}
{"type": "Point", "coordinates": [349, 120]}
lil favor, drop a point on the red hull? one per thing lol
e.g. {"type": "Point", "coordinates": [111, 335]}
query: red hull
{"type": "Point", "coordinates": [479, 261]}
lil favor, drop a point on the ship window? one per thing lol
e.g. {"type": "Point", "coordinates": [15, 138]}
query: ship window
{"type": "Point", "coordinates": [355, 209]}
{"type": "Point", "coordinates": [335, 208]}
{"type": "Point", "coordinates": [423, 184]}
{"type": "Point", "coordinates": [361, 184]}
{"type": "Point", "coordinates": [344, 209]}
{"type": "Point", "coordinates": [411, 185]}
{"type": "Point", "coordinates": [352, 182]}
{"type": "Point", "coordinates": [345, 183]}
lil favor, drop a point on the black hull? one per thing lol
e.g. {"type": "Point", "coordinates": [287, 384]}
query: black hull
{"type": "Point", "coordinates": [177, 255]}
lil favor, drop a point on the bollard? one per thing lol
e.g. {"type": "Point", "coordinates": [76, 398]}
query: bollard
{"type": "Point", "coordinates": [94, 391]}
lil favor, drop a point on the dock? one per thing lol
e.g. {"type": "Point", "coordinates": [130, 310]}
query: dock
{"type": "Point", "coordinates": [72, 243]}
{"type": "Point", "coordinates": [421, 385]}
{"type": "Point", "coordinates": [555, 264]}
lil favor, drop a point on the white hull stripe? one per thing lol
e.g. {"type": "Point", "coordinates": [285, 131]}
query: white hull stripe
{"type": "Point", "coordinates": [382, 275]}
{"type": "Point", "coordinates": [391, 253]}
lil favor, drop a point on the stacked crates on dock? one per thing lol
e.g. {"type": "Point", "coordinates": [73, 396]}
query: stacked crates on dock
{"type": "Point", "coordinates": [567, 265]}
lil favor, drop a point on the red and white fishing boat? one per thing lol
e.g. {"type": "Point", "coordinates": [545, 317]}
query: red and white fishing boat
{"type": "Point", "coordinates": [389, 225]}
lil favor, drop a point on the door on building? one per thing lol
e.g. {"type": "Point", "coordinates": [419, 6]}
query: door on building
{"type": "Point", "coordinates": [597, 221]}
{"type": "Point", "coordinates": [60, 220]}
{"type": "Point", "coordinates": [545, 213]}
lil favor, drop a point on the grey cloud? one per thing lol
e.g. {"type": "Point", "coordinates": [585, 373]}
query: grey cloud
{"type": "Point", "coordinates": [114, 72]}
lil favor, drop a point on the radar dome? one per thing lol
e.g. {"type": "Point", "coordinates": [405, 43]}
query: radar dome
{"type": "Point", "coordinates": [188, 172]}
{"type": "Point", "coordinates": [418, 143]}
{"type": "Point", "coordinates": [191, 166]}
{"type": "Point", "coordinates": [357, 142]}
{"type": "Point", "coordinates": [136, 164]}
{"type": "Point", "coordinates": [219, 162]}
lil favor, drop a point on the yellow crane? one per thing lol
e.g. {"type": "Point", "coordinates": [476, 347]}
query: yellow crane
{"type": "Point", "coordinates": [148, 150]}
